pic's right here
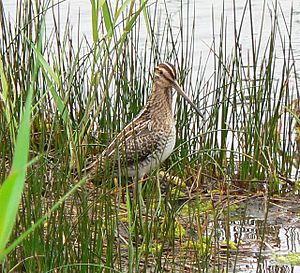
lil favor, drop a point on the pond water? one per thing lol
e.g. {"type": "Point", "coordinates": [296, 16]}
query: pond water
{"type": "Point", "coordinates": [282, 224]}
{"type": "Point", "coordinates": [203, 21]}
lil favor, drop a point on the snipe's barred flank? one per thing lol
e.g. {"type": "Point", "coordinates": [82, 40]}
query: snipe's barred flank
{"type": "Point", "coordinates": [150, 137]}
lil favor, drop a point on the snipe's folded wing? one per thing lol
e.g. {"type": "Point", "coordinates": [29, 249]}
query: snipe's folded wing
{"type": "Point", "coordinates": [134, 144]}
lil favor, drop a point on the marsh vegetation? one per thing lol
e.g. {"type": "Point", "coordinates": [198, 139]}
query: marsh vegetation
{"type": "Point", "coordinates": [234, 174]}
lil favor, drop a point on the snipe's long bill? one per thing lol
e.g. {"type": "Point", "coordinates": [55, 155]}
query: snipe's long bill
{"type": "Point", "coordinates": [150, 137]}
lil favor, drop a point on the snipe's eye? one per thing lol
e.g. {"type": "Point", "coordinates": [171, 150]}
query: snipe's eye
{"type": "Point", "coordinates": [158, 72]}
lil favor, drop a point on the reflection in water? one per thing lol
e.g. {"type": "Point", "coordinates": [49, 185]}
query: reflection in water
{"type": "Point", "coordinates": [279, 228]}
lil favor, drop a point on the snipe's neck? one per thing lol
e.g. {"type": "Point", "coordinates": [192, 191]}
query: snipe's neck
{"type": "Point", "coordinates": [161, 99]}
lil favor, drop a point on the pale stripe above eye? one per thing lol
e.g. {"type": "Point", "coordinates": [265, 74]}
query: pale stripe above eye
{"type": "Point", "coordinates": [164, 75]}
{"type": "Point", "coordinates": [170, 69]}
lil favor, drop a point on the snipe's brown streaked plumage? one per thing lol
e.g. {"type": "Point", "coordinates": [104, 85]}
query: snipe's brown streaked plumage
{"type": "Point", "coordinates": [150, 137]}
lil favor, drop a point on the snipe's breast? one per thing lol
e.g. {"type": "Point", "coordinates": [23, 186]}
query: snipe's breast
{"type": "Point", "coordinates": [162, 143]}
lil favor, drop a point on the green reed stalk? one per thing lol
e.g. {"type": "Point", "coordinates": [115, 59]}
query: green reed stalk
{"type": "Point", "coordinates": [12, 188]}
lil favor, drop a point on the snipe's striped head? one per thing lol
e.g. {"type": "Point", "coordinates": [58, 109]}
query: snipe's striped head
{"type": "Point", "coordinates": [165, 77]}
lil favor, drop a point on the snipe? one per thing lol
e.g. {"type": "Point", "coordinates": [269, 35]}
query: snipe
{"type": "Point", "coordinates": [150, 137]}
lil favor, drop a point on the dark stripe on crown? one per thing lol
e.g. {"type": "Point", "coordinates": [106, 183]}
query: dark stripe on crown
{"type": "Point", "coordinates": [169, 68]}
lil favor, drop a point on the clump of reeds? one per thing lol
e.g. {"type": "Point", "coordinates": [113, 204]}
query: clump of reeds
{"type": "Point", "coordinates": [63, 100]}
